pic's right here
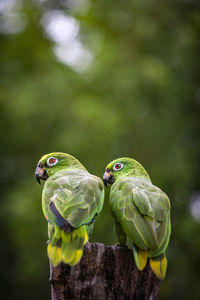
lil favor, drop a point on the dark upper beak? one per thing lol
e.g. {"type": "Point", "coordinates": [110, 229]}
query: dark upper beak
{"type": "Point", "coordinates": [40, 173]}
{"type": "Point", "coordinates": [108, 178]}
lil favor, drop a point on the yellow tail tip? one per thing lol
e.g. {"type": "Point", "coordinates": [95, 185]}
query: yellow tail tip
{"type": "Point", "coordinates": [85, 238]}
{"type": "Point", "coordinates": [140, 257]}
{"type": "Point", "coordinates": [77, 257]}
{"type": "Point", "coordinates": [159, 267]}
{"type": "Point", "coordinates": [54, 254]}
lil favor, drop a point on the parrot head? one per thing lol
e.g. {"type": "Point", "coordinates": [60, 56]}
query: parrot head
{"type": "Point", "coordinates": [123, 167]}
{"type": "Point", "coordinates": [53, 162]}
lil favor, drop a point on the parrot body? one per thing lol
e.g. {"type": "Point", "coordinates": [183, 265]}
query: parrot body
{"type": "Point", "coordinates": [141, 212]}
{"type": "Point", "coordinates": [72, 199]}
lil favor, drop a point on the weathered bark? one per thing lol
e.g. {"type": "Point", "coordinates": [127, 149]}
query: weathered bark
{"type": "Point", "coordinates": [103, 273]}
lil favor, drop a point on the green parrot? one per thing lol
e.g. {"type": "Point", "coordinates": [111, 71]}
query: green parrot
{"type": "Point", "coordinates": [141, 212]}
{"type": "Point", "coordinates": [72, 199]}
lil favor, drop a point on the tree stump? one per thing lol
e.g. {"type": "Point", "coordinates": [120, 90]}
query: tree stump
{"type": "Point", "coordinates": [103, 273]}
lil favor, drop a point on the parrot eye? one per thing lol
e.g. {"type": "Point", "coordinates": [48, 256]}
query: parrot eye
{"type": "Point", "coordinates": [51, 161]}
{"type": "Point", "coordinates": [117, 167]}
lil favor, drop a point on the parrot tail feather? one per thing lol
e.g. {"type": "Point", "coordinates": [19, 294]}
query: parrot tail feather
{"type": "Point", "coordinates": [140, 257]}
{"type": "Point", "coordinates": [54, 254]}
{"type": "Point", "coordinates": [67, 246]}
{"type": "Point", "coordinates": [159, 266]}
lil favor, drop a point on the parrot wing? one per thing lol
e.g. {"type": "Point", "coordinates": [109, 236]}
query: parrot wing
{"type": "Point", "coordinates": [75, 196]}
{"type": "Point", "coordinates": [142, 210]}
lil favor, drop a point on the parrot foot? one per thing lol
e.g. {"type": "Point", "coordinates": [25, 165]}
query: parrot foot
{"type": "Point", "coordinates": [47, 242]}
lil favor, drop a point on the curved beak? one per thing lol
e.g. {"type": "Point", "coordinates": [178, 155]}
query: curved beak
{"type": "Point", "coordinates": [40, 173]}
{"type": "Point", "coordinates": [108, 178]}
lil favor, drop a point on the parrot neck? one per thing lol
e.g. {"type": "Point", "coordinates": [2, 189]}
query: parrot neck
{"type": "Point", "coordinates": [75, 163]}
{"type": "Point", "coordinates": [139, 174]}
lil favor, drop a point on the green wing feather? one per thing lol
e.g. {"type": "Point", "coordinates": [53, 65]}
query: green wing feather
{"type": "Point", "coordinates": [78, 196]}
{"type": "Point", "coordinates": [143, 211]}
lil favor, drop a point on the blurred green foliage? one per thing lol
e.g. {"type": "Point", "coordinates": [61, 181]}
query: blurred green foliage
{"type": "Point", "coordinates": [140, 97]}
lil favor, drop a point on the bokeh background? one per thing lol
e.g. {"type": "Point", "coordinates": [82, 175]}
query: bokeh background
{"type": "Point", "coordinates": [99, 80]}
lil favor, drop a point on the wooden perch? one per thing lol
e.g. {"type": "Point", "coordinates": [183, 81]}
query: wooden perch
{"type": "Point", "coordinates": [103, 273]}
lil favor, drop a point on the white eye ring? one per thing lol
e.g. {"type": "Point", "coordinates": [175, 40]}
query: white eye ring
{"type": "Point", "coordinates": [118, 166]}
{"type": "Point", "coordinates": [52, 161]}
